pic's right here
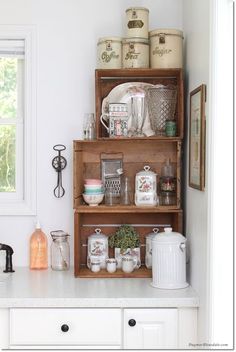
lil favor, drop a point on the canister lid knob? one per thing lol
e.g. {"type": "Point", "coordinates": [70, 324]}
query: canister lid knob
{"type": "Point", "coordinates": [168, 229]}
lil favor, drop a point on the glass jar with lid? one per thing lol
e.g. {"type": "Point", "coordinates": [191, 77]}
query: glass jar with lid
{"type": "Point", "coordinates": [60, 250]}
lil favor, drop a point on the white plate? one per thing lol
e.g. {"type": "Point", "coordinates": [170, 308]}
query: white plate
{"type": "Point", "coordinates": [123, 94]}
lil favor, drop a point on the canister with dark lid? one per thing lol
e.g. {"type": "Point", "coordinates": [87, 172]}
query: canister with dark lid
{"type": "Point", "coordinates": [166, 48]}
{"type": "Point", "coordinates": [135, 53]}
{"type": "Point", "coordinates": [137, 19]}
{"type": "Point", "coordinates": [109, 52]}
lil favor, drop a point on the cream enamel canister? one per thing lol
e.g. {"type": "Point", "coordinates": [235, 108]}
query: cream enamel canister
{"type": "Point", "coordinates": [135, 53]}
{"type": "Point", "coordinates": [137, 19]}
{"type": "Point", "coordinates": [169, 260]}
{"type": "Point", "coordinates": [109, 52]}
{"type": "Point", "coordinates": [166, 48]}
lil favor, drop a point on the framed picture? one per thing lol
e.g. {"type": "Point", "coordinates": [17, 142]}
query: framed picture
{"type": "Point", "coordinates": [197, 138]}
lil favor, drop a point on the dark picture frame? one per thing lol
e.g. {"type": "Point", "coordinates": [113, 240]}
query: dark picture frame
{"type": "Point", "coordinates": [197, 133]}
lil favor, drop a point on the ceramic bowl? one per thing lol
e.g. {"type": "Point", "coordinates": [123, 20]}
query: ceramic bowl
{"type": "Point", "coordinates": [93, 199]}
{"type": "Point", "coordinates": [93, 181]}
{"type": "Point", "coordinates": [93, 188]}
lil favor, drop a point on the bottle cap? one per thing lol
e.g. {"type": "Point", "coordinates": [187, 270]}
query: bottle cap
{"type": "Point", "coordinates": [38, 225]}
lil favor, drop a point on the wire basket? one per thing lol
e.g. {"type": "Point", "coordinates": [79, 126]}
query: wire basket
{"type": "Point", "coordinates": [161, 101]}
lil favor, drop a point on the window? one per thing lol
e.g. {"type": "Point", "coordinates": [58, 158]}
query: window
{"type": "Point", "coordinates": [17, 122]}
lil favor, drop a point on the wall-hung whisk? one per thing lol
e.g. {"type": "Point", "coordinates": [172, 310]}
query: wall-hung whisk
{"type": "Point", "coordinates": [59, 163]}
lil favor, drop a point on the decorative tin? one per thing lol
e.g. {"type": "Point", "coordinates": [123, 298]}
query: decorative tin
{"type": "Point", "coordinates": [148, 254]}
{"type": "Point", "coordinates": [135, 53]}
{"type": "Point", "coordinates": [109, 52]}
{"type": "Point", "coordinates": [145, 187]}
{"type": "Point", "coordinates": [97, 249]}
{"type": "Point", "coordinates": [118, 120]}
{"type": "Point", "coordinates": [137, 19]}
{"type": "Point", "coordinates": [170, 128]}
{"type": "Point", "coordinates": [166, 48]}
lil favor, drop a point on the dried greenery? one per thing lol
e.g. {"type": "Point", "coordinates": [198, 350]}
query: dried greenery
{"type": "Point", "coordinates": [125, 237]}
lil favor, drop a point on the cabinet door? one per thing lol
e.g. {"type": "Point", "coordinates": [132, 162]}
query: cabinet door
{"type": "Point", "coordinates": [150, 328]}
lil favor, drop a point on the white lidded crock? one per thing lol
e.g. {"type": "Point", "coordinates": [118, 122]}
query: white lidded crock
{"type": "Point", "coordinates": [148, 252]}
{"type": "Point", "coordinates": [109, 52]}
{"type": "Point", "coordinates": [146, 187]}
{"type": "Point", "coordinates": [135, 53]}
{"type": "Point", "coordinates": [166, 48]}
{"type": "Point", "coordinates": [137, 20]}
{"type": "Point", "coordinates": [97, 249]}
{"type": "Point", "coordinates": [169, 260]}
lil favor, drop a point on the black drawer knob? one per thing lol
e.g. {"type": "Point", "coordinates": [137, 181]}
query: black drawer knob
{"type": "Point", "coordinates": [132, 322]}
{"type": "Point", "coordinates": [64, 328]}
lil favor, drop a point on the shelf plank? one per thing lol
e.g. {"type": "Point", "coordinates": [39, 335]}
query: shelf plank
{"type": "Point", "coordinates": [142, 272]}
{"type": "Point", "coordinates": [126, 209]}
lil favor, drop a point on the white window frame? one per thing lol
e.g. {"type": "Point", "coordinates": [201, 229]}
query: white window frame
{"type": "Point", "coordinates": [26, 204]}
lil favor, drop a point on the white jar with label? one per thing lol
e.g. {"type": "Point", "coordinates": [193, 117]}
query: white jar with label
{"type": "Point", "coordinates": [166, 48]}
{"type": "Point", "coordinates": [97, 249]}
{"type": "Point", "coordinates": [109, 52]}
{"type": "Point", "coordinates": [135, 53]}
{"type": "Point", "coordinates": [146, 188]}
{"type": "Point", "coordinates": [137, 22]}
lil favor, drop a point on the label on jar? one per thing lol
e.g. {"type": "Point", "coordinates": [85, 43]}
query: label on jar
{"type": "Point", "coordinates": [135, 24]}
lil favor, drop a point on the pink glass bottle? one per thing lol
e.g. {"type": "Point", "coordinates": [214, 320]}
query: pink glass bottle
{"type": "Point", "coordinates": [38, 249]}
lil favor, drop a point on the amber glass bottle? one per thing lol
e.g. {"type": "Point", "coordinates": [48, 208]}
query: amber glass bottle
{"type": "Point", "coordinates": [38, 249]}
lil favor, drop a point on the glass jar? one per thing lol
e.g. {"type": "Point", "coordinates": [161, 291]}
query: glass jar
{"type": "Point", "coordinates": [60, 250]}
{"type": "Point", "coordinates": [168, 198]}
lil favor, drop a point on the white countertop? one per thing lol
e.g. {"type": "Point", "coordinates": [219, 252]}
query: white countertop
{"type": "Point", "coordinates": [48, 288]}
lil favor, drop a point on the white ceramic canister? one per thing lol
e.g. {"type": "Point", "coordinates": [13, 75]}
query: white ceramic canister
{"type": "Point", "coordinates": [166, 48]}
{"type": "Point", "coordinates": [146, 187]}
{"type": "Point", "coordinates": [148, 252]}
{"type": "Point", "coordinates": [97, 248]}
{"type": "Point", "coordinates": [137, 22]}
{"type": "Point", "coordinates": [135, 53]}
{"type": "Point", "coordinates": [109, 52]}
{"type": "Point", "coordinates": [169, 260]}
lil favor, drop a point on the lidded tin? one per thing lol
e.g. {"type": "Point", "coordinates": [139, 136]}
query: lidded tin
{"type": "Point", "coordinates": [109, 52]}
{"type": "Point", "coordinates": [137, 20]}
{"type": "Point", "coordinates": [169, 260]}
{"type": "Point", "coordinates": [135, 53]}
{"type": "Point", "coordinates": [166, 48]}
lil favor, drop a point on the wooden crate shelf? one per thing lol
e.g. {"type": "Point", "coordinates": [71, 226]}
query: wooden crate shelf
{"type": "Point", "coordinates": [142, 272]}
{"type": "Point", "coordinates": [135, 153]}
{"type": "Point", "coordinates": [106, 80]}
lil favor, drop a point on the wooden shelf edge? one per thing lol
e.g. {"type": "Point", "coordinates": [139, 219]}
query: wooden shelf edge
{"type": "Point", "coordinates": [129, 139]}
{"type": "Point", "coordinates": [126, 209]}
{"type": "Point", "coordinates": [142, 272]}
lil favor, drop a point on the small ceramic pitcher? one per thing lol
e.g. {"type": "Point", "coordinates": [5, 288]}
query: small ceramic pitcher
{"type": "Point", "coordinates": [128, 263]}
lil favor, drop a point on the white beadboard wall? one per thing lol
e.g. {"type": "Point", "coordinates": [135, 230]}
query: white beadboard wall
{"type": "Point", "coordinates": [67, 33]}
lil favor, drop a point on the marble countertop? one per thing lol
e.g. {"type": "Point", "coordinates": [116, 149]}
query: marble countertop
{"type": "Point", "coordinates": [48, 288]}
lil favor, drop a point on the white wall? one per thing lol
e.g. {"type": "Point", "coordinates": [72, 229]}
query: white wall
{"type": "Point", "coordinates": [67, 33]}
{"type": "Point", "coordinates": [196, 17]}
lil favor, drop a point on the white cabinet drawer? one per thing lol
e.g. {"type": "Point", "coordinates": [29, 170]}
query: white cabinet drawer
{"type": "Point", "coordinates": [39, 326]}
{"type": "Point", "coordinates": [151, 328]}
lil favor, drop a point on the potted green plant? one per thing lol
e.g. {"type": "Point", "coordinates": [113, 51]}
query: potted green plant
{"type": "Point", "coordinates": [125, 241]}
